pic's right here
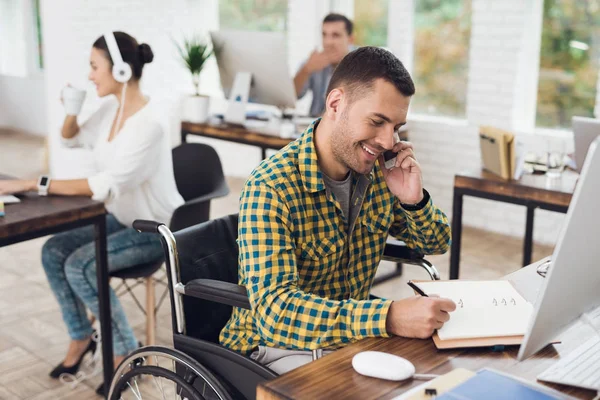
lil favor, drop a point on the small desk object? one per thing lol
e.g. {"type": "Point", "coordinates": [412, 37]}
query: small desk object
{"type": "Point", "coordinates": [37, 216]}
{"type": "Point", "coordinates": [531, 191]}
{"type": "Point", "coordinates": [332, 377]}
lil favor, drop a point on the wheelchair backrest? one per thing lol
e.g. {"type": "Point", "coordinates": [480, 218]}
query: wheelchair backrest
{"type": "Point", "coordinates": [208, 251]}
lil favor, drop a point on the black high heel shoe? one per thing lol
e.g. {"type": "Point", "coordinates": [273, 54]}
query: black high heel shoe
{"type": "Point", "coordinates": [61, 369]}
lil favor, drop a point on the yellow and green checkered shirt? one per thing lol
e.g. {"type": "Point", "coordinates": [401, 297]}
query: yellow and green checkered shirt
{"type": "Point", "coordinates": [307, 281]}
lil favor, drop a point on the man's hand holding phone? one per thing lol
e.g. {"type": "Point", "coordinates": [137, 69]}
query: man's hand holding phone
{"type": "Point", "coordinates": [404, 178]}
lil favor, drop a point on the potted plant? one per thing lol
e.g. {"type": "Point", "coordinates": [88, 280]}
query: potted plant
{"type": "Point", "coordinates": [194, 53]}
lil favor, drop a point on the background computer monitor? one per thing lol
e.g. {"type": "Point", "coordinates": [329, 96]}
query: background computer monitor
{"type": "Point", "coordinates": [264, 56]}
{"type": "Point", "coordinates": [585, 130]}
{"type": "Point", "coordinates": [572, 284]}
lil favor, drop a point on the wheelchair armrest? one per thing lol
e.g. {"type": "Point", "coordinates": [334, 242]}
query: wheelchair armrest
{"type": "Point", "coordinates": [398, 252]}
{"type": "Point", "coordinates": [397, 249]}
{"type": "Point", "coordinates": [219, 292]}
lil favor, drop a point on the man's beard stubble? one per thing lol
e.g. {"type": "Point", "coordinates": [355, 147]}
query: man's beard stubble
{"type": "Point", "coordinates": [343, 149]}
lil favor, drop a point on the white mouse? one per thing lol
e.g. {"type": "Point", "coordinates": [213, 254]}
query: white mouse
{"type": "Point", "coordinates": [383, 366]}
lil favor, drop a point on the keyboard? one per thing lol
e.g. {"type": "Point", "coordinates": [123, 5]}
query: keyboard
{"type": "Point", "coordinates": [580, 368]}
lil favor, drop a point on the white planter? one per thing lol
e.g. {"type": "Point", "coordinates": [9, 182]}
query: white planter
{"type": "Point", "coordinates": [195, 109]}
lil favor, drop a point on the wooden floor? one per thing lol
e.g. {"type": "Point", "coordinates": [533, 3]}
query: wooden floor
{"type": "Point", "coordinates": [33, 338]}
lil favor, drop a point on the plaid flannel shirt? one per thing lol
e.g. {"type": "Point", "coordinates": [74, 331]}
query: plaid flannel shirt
{"type": "Point", "coordinates": [308, 282]}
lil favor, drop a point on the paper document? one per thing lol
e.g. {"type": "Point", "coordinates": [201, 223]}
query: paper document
{"type": "Point", "coordinates": [483, 309]}
{"type": "Point", "coordinates": [7, 199]}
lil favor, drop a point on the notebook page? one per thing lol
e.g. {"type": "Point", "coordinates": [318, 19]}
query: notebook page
{"type": "Point", "coordinates": [483, 309]}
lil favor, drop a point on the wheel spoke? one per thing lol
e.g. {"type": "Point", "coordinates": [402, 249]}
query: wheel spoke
{"type": "Point", "coordinates": [133, 390]}
{"type": "Point", "coordinates": [159, 387]}
{"type": "Point", "coordinates": [137, 387]}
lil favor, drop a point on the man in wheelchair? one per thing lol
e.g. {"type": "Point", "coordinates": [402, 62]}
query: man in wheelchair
{"type": "Point", "coordinates": [314, 220]}
{"type": "Point", "coordinates": [255, 296]}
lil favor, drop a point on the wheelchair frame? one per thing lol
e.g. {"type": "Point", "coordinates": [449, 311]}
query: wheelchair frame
{"type": "Point", "coordinates": [208, 359]}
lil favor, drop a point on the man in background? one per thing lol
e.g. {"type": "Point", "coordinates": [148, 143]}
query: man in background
{"type": "Point", "coordinates": [315, 73]}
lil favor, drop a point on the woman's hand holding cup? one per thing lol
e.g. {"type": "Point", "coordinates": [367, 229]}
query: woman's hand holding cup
{"type": "Point", "coordinates": [72, 99]}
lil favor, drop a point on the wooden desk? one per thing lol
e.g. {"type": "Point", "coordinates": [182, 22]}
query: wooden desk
{"type": "Point", "coordinates": [531, 191]}
{"type": "Point", "coordinates": [332, 377]}
{"type": "Point", "coordinates": [37, 216]}
{"type": "Point", "coordinates": [236, 134]}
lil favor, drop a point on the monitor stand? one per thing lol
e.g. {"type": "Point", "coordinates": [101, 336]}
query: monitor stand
{"type": "Point", "coordinates": [238, 99]}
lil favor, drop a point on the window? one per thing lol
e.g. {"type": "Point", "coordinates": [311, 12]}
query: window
{"type": "Point", "coordinates": [370, 22]}
{"type": "Point", "coordinates": [569, 58]}
{"type": "Point", "coordinates": [20, 37]}
{"type": "Point", "coordinates": [13, 56]}
{"type": "Point", "coordinates": [37, 19]}
{"type": "Point", "coordinates": [253, 15]}
{"type": "Point", "coordinates": [441, 56]}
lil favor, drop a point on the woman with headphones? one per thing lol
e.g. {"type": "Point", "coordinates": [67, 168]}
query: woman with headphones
{"type": "Point", "coordinates": [134, 179]}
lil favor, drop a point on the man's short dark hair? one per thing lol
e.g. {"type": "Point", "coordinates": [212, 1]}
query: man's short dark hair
{"type": "Point", "coordinates": [362, 67]}
{"type": "Point", "coordinates": [333, 17]}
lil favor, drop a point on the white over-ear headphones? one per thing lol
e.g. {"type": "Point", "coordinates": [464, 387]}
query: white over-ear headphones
{"type": "Point", "coordinates": [121, 70]}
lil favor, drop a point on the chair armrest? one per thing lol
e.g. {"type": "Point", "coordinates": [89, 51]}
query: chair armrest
{"type": "Point", "coordinates": [218, 291]}
{"type": "Point", "coordinates": [196, 210]}
{"type": "Point", "coordinates": [221, 191]}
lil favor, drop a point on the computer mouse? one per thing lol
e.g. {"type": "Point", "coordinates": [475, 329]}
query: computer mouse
{"type": "Point", "coordinates": [383, 366]}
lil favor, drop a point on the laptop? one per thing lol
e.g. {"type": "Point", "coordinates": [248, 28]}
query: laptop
{"type": "Point", "coordinates": [585, 130]}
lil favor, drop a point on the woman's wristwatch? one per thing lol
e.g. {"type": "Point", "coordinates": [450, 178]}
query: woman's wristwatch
{"type": "Point", "coordinates": [43, 185]}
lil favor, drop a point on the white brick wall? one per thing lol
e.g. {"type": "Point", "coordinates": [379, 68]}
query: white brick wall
{"type": "Point", "coordinates": [501, 60]}
{"type": "Point", "coordinates": [501, 32]}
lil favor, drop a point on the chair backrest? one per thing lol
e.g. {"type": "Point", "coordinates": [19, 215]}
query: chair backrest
{"type": "Point", "coordinates": [198, 172]}
{"type": "Point", "coordinates": [197, 169]}
{"type": "Point", "coordinates": [208, 251]}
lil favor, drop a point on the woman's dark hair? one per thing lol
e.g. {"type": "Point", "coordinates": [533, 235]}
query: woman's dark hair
{"type": "Point", "coordinates": [134, 54]}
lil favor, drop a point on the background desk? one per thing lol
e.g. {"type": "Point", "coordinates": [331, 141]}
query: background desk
{"type": "Point", "coordinates": [332, 377]}
{"type": "Point", "coordinates": [236, 134]}
{"type": "Point", "coordinates": [37, 216]}
{"type": "Point", "coordinates": [530, 191]}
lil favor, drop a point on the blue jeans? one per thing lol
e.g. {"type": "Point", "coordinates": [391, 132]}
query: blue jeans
{"type": "Point", "coordinates": [69, 260]}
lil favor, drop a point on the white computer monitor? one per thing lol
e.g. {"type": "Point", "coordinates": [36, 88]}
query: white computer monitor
{"type": "Point", "coordinates": [264, 56]}
{"type": "Point", "coordinates": [572, 284]}
{"type": "Point", "coordinates": [585, 130]}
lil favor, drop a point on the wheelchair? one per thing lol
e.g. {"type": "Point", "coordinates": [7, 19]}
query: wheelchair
{"type": "Point", "coordinates": [202, 269]}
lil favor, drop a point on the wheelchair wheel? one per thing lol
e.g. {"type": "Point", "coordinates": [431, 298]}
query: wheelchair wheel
{"type": "Point", "coordinates": [156, 372]}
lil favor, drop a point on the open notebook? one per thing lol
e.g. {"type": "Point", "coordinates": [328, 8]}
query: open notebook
{"type": "Point", "coordinates": [484, 309]}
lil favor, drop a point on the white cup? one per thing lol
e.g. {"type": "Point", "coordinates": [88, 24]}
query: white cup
{"type": "Point", "coordinates": [73, 99]}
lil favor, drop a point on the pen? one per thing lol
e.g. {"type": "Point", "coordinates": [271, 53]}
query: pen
{"type": "Point", "coordinates": [417, 289]}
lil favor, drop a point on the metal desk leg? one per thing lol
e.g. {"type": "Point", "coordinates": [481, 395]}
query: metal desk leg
{"type": "Point", "coordinates": [528, 243]}
{"type": "Point", "coordinates": [263, 152]}
{"type": "Point", "coordinates": [457, 205]}
{"type": "Point", "coordinates": [104, 301]}
{"type": "Point", "coordinates": [183, 136]}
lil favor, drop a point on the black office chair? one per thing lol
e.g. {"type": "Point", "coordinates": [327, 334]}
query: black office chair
{"type": "Point", "coordinates": [202, 266]}
{"type": "Point", "coordinates": [199, 178]}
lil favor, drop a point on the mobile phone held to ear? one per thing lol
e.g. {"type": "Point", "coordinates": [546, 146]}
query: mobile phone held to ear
{"type": "Point", "coordinates": [390, 156]}
{"type": "Point", "coordinates": [390, 159]}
